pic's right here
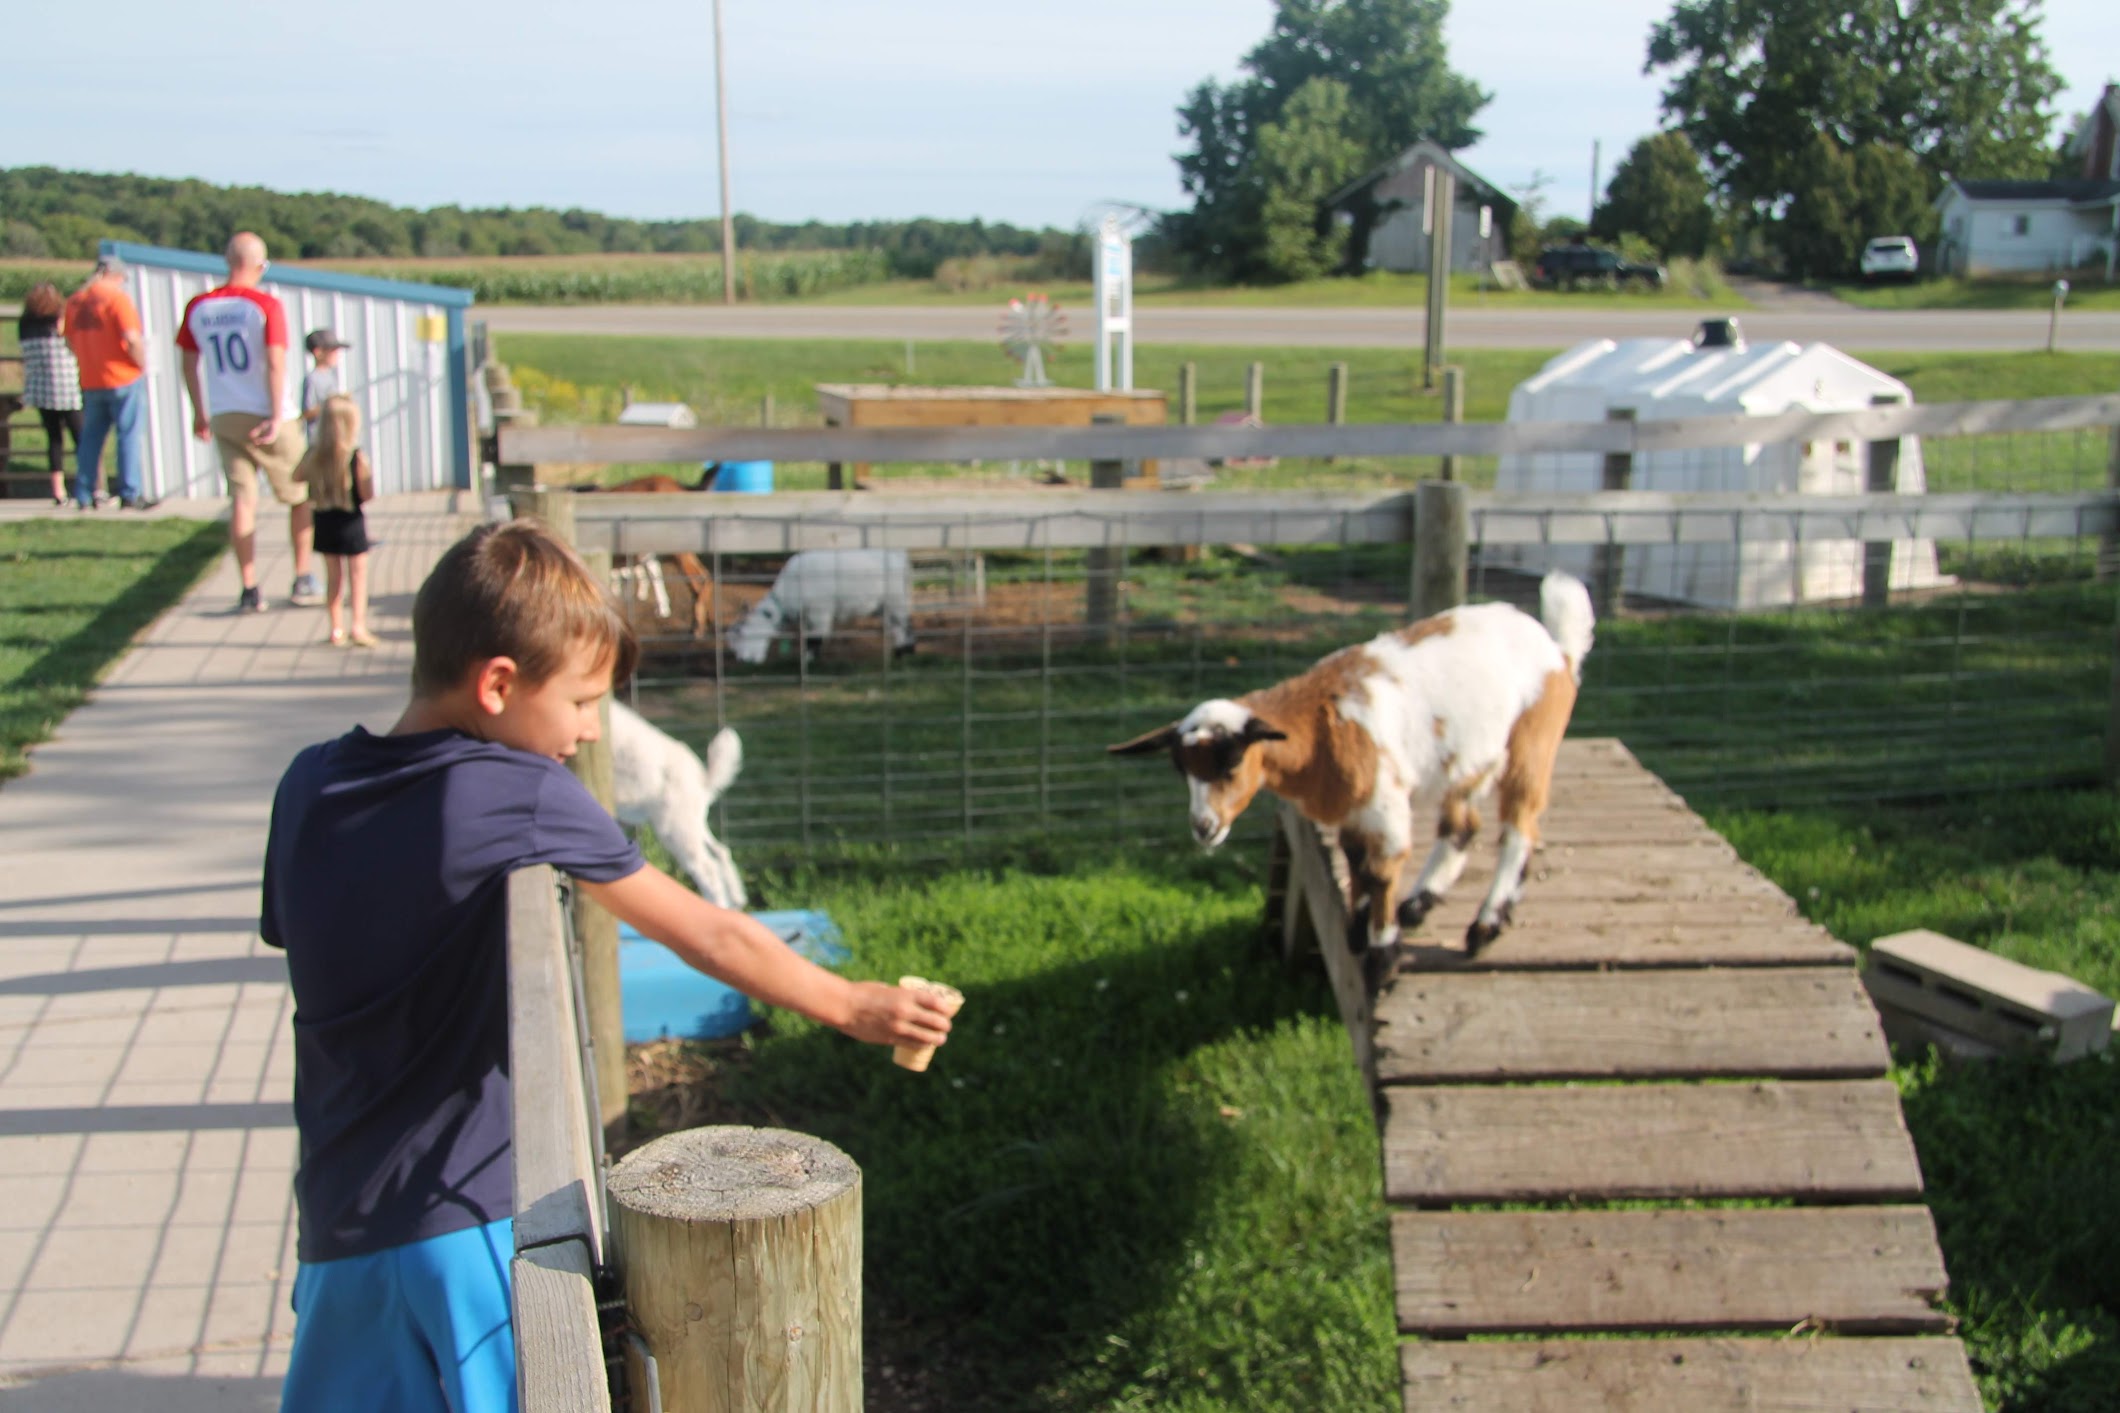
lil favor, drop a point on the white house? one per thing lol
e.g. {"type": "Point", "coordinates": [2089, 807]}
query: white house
{"type": "Point", "coordinates": [2025, 227]}
{"type": "Point", "coordinates": [1657, 379]}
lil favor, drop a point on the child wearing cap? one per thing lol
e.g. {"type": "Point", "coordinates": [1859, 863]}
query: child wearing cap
{"type": "Point", "coordinates": [322, 380]}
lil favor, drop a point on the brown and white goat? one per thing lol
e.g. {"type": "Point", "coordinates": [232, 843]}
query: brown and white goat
{"type": "Point", "coordinates": [1432, 716]}
{"type": "Point", "coordinates": [645, 572]}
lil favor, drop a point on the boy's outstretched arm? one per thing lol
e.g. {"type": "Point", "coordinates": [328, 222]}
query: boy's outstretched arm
{"type": "Point", "coordinates": [741, 951]}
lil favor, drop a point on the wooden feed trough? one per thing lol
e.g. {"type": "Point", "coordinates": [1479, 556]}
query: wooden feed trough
{"type": "Point", "coordinates": [881, 405]}
{"type": "Point", "coordinates": [1660, 1026]}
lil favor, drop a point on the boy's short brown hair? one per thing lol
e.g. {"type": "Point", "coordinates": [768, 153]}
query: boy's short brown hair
{"type": "Point", "coordinates": [513, 590]}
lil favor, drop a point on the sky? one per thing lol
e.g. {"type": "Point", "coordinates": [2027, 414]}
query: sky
{"type": "Point", "coordinates": [839, 110]}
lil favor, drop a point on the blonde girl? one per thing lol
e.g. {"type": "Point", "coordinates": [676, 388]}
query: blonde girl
{"type": "Point", "coordinates": [340, 483]}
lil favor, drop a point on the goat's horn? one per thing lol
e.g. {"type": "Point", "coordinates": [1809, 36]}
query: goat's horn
{"type": "Point", "coordinates": [1156, 740]}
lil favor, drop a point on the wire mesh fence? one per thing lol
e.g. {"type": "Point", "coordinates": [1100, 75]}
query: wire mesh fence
{"type": "Point", "coordinates": [1760, 680]}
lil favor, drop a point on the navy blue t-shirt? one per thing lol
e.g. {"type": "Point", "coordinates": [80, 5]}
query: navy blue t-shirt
{"type": "Point", "coordinates": [386, 881]}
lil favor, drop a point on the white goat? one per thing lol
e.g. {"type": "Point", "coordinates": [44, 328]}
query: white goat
{"type": "Point", "coordinates": [819, 588]}
{"type": "Point", "coordinates": [657, 780]}
{"type": "Point", "coordinates": [1434, 715]}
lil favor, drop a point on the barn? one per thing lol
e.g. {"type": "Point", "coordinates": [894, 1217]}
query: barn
{"type": "Point", "coordinates": [407, 367]}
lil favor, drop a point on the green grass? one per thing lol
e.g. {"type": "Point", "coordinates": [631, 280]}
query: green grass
{"type": "Point", "coordinates": [73, 595]}
{"type": "Point", "coordinates": [2086, 291]}
{"type": "Point", "coordinates": [1143, 1173]}
{"type": "Point", "coordinates": [2022, 1160]}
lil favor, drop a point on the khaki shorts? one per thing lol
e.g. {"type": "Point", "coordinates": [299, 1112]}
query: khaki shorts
{"type": "Point", "coordinates": [242, 459]}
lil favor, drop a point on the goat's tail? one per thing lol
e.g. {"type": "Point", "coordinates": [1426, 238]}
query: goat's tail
{"type": "Point", "coordinates": [724, 760]}
{"type": "Point", "coordinates": [1564, 607]}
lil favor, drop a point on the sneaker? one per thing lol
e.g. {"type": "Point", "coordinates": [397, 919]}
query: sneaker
{"type": "Point", "coordinates": [251, 602]}
{"type": "Point", "coordinates": [139, 503]}
{"type": "Point", "coordinates": [307, 593]}
{"type": "Point", "coordinates": [105, 500]}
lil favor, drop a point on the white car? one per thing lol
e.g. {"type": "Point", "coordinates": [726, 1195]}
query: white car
{"type": "Point", "coordinates": [1890, 255]}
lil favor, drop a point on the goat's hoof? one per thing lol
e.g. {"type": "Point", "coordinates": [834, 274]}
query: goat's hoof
{"type": "Point", "coordinates": [1415, 910]}
{"type": "Point", "coordinates": [1480, 934]}
{"type": "Point", "coordinates": [1381, 965]}
{"type": "Point", "coordinates": [1358, 930]}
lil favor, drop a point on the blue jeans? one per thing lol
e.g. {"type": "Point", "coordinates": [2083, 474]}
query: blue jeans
{"type": "Point", "coordinates": [420, 1328]}
{"type": "Point", "coordinates": [103, 409]}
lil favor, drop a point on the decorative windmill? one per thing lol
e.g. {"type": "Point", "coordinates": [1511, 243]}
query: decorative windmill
{"type": "Point", "coordinates": [1030, 326]}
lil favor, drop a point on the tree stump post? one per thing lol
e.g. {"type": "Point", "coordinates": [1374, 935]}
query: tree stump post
{"type": "Point", "coordinates": [1441, 517]}
{"type": "Point", "coordinates": [742, 1256]}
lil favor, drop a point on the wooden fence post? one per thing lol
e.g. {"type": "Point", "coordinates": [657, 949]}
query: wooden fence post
{"type": "Point", "coordinates": [2109, 544]}
{"type": "Point", "coordinates": [595, 931]}
{"type": "Point", "coordinates": [1188, 392]}
{"type": "Point", "coordinates": [1100, 566]}
{"type": "Point", "coordinates": [1453, 411]}
{"type": "Point", "coordinates": [1883, 479]}
{"type": "Point", "coordinates": [1441, 523]}
{"type": "Point", "coordinates": [1335, 399]}
{"type": "Point", "coordinates": [742, 1256]}
{"type": "Point", "coordinates": [1609, 561]}
{"type": "Point", "coordinates": [1255, 390]}
{"type": "Point", "coordinates": [1440, 210]}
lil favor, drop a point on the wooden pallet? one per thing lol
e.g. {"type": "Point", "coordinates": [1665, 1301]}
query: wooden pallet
{"type": "Point", "coordinates": [1659, 1027]}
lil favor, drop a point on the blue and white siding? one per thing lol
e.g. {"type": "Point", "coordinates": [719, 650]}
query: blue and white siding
{"type": "Point", "coordinates": [414, 393]}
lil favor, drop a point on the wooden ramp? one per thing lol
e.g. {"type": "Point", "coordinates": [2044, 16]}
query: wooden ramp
{"type": "Point", "coordinates": [1676, 1086]}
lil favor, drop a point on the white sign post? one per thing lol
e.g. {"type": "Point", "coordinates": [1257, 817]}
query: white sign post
{"type": "Point", "coordinates": [1114, 289]}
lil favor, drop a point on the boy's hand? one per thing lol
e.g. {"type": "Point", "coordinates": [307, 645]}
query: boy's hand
{"type": "Point", "coordinates": [894, 1015]}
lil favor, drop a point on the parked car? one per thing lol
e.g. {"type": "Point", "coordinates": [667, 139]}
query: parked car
{"type": "Point", "coordinates": [1890, 257]}
{"type": "Point", "coordinates": [1561, 266]}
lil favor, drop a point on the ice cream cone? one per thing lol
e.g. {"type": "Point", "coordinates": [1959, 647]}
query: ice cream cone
{"type": "Point", "coordinates": [916, 1057]}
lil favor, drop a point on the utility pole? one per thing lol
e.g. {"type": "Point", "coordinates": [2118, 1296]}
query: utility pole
{"type": "Point", "coordinates": [1595, 154]}
{"type": "Point", "coordinates": [721, 133]}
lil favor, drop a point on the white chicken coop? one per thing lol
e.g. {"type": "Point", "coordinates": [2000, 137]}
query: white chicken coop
{"type": "Point", "coordinates": [1716, 375]}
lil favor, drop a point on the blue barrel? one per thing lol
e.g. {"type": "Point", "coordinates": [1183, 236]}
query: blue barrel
{"type": "Point", "coordinates": [744, 477]}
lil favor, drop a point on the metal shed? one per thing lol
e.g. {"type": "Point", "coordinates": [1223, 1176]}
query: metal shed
{"type": "Point", "coordinates": [407, 367]}
{"type": "Point", "coordinates": [1669, 378]}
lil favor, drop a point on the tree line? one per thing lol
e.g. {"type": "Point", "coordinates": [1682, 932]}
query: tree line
{"type": "Point", "coordinates": [49, 213]}
{"type": "Point", "coordinates": [1794, 129]}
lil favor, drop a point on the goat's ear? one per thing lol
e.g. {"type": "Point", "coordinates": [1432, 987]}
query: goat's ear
{"type": "Point", "coordinates": [1260, 729]}
{"type": "Point", "coordinates": [1157, 740]}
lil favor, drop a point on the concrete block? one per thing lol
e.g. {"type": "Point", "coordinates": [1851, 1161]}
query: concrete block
{"type": "Point", "coordinates": [1928, 987]}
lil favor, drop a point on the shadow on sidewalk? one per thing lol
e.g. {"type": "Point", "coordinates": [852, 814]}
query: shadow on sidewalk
{"type": "Point", "coordinates": [117, 1391]}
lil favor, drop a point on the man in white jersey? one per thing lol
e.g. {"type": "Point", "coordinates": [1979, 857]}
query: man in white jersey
{"type": "Point", "coordinates": [234, 341]}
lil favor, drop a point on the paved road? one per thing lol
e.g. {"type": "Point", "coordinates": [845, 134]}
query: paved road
{"type": "Point", "coordinates": [1469, 326]}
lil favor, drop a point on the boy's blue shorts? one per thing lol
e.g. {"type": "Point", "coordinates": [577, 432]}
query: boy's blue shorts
{"type": "Point", "coordinates": [419, 1328]}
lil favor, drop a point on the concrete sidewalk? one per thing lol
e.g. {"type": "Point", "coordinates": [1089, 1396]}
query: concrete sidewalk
{"type": "Point", "coordinates": [146, 1064]}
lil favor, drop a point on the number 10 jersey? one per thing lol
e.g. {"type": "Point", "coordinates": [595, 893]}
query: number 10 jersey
{"type": "Point", "coordinates": [230, 328]}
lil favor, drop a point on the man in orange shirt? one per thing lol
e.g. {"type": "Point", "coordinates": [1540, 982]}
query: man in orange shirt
{"type": "Point", "coordinates": [103, 330]}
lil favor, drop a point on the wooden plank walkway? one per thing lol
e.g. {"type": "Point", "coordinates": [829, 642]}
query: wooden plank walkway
{"type": "Point", "coordinates": [1660, 1026]}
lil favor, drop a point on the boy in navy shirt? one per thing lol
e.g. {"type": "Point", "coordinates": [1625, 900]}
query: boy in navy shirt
{"type": "Point", "coordinates": [386, 877]}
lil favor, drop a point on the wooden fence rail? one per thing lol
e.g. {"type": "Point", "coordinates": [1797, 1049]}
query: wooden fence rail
{"type": "Point", "coordinates": [1093, 519]}
{"type": "Point", "coordinates": [559, 1204]}
{"type": "Point", "coordinates": [520, 445]}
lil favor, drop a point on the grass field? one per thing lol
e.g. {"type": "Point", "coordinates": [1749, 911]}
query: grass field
{"type": "Point", "coordinates": [2031, 292]}
{"type": "Point", "coordinates": [73, 594]}
{"type": "Point", "coordinates": [1143, 1174]}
